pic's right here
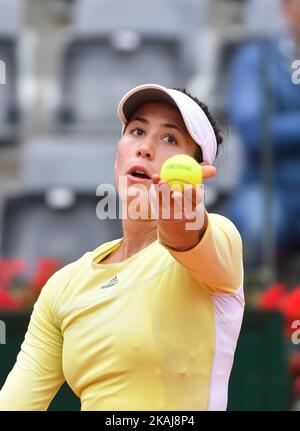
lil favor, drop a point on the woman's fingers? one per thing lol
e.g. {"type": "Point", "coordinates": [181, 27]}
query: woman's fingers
{"type": "Point", "coordinates": [177, 203]}
{"type": "Point", "coordinates": [155, 178]}
{"type": "Point", "coordinates": [208, 171]}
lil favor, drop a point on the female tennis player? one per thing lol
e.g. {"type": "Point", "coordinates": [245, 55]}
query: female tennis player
{"type": "Point", "coordinates": [149, 321]}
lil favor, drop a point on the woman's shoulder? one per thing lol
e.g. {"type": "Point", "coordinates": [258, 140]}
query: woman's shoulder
{"type": "Point", "coordinates": [226, 225]}
{"type": "Point", "coordinates": [61, 281]}
{"type": "Point", "coordinates": [221, 220]}
{"type": "Point", "coordinates": [92, 255]}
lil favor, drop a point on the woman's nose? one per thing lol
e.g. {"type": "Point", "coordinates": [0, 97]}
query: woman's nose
{"type": "Point", "coordinates": [146, 150]}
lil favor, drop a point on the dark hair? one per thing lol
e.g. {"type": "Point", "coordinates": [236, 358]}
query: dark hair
{"type": "Point", "coordinates": [198, 153]}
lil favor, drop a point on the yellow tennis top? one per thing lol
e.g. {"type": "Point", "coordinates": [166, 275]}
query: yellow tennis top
{"type": "Point", "coordinates": [156, 331]}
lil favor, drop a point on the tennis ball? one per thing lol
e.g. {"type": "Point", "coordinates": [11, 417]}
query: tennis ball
{"type": "Point", "coordinates": [179, 170]}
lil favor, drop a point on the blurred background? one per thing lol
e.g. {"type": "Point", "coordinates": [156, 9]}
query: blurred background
{"type": "Point", "coordinates": [65, 64]}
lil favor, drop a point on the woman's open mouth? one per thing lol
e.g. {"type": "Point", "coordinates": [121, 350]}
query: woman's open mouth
{"type": "Point", "coordinates": [139, 174]}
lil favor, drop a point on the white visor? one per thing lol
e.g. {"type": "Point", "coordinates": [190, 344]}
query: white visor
{"type": "Point", "coordinates": [193, 116]}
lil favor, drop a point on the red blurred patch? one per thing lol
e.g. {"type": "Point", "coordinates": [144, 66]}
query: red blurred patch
{"type": "Point", "coordinates": [19, 291]}
{"type": "Point", "coordinates": [8, 302]}
{"type": "Point", "coordinates": [272, 296]}
{"type": "Point", "coordinates": [290, 305]}
{"type": "Point", "coordinates": [276, 297]}
{"type": "Point", "coordinates": [45, 268]}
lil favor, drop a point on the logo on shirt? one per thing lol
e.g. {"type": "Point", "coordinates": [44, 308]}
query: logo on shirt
{"type": "Point", "coordinates": [111, 282]}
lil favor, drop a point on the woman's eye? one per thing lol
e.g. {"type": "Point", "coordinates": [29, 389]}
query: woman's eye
{"type": "Point", "coordinates": [137, 132]}
{"type": "Point", "coordinates": [170, 139]}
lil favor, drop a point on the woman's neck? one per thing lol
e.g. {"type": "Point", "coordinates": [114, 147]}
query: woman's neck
{"type": "Point", "coordinates": [137, 234]}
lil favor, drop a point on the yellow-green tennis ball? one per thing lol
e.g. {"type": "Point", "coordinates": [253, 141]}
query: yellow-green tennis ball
{"type": "Point", "coordinates": [180, 170]}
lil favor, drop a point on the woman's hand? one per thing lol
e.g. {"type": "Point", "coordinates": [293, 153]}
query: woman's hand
{"type": "Point", "coordinates": [181, 216]}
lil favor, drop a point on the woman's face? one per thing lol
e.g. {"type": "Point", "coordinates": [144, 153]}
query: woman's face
{"type": "Point", "coordinates": [155, 132]}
